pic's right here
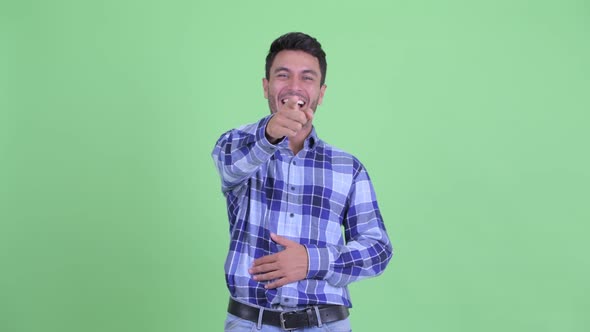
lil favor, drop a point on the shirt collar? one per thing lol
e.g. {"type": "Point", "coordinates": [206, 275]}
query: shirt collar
{"type": "Point", "coordinates": [311, 140]}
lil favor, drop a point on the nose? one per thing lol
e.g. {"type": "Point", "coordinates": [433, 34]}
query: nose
{"type": "Point", "coordinates": [295, 83]}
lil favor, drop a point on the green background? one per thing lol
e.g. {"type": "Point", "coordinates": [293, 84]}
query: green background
{"type": "Point", "coordinates": [471, 117]}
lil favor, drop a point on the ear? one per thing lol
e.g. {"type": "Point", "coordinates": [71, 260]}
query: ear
{"type": "Point", "coordinates": [322, 91]}
{"type": "Point", "coordinates": [265, 87]}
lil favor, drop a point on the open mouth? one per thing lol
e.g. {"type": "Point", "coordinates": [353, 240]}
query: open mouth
{"type": "Point", "coordinates": [301, 103]}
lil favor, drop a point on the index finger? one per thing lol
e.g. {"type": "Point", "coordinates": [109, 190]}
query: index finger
{"type": "Point", "coordinates": [291, 103]}
{"type": "Point", "coordinates": [264, 260]}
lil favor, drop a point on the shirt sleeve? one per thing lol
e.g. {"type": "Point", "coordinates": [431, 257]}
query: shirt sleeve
{"type": "Point", "coordinates": [368, 248]}
{"type": "Point", "coordinates": [239, 153]}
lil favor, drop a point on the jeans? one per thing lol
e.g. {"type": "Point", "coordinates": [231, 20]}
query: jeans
{"type": "Point", "coordinates": [237, 324]}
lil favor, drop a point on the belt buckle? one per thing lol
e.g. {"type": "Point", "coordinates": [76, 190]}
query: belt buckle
{"type": "Point", "coordinates": [283, 320]}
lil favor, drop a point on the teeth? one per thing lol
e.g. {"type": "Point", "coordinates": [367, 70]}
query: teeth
{"type": "Point", "coordinates": [299, 102]}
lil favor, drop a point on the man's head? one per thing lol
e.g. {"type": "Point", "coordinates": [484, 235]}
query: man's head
{"type": "Point", "coordinates": [295, 68]}
{"type": "Point", "coordinates": [297, 41]}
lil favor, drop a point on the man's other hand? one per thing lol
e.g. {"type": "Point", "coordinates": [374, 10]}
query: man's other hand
{"type": "Point", "coordinates": [285, 267]}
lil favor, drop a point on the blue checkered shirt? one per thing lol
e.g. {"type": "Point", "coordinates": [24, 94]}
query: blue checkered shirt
{"type": "Point", "coordinates": [308, 198]}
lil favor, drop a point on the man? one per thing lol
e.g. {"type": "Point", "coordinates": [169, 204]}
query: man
{"type": "Point", "coordinates": [289, 194]}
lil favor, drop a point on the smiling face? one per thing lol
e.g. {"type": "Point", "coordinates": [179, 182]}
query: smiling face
{"type": "Point", "coordinates": [294, 74]}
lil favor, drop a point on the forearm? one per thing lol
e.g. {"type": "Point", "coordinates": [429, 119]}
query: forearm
{"type": "Point", "coordinates": [239, 153]}
{"type": "Point", "coordinates": [367, 250]}
{"type": "Point", "coordinates": [358, 259]}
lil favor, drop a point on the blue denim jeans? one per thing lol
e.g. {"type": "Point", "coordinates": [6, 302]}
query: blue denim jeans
{"type": "Point", "coordinates": [237, 324]}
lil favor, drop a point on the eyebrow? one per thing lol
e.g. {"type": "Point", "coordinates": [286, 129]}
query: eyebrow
{"type": "Point", "coordinates": [306, 71]}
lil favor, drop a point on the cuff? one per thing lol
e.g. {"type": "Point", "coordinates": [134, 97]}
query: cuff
{"type": "Point", "coordinates": [319, 262]}
{"type": "Point", "coordinates": [261, 139]}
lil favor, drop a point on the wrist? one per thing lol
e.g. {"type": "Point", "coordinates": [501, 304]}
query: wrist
{"type": "Point", "coordinates": [271, 139]}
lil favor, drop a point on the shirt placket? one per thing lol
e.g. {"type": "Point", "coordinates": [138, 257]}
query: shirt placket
{"type": "Point", "coordinates": [291, 225]}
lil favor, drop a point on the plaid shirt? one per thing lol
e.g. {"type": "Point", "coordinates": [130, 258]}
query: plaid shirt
{"type": "Point", "coordinates": [306, 198]}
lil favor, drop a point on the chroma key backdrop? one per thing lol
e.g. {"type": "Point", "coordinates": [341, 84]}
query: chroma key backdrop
{"type": "Point", "coordinates": [472, 118]}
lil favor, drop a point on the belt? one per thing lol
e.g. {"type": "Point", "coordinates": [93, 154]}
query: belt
{"type": "Point", "coordinates": [289, 320]}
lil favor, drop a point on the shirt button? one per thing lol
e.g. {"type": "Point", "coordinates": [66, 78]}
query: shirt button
{"type": "Point", "coordinates": [286, 300]}
{"type": "Point", "coordinates": [294, 162]}
{"type": "Point", "coordinates": [292, 215]}
{"type": "Point", "coordinates": [292, 188]}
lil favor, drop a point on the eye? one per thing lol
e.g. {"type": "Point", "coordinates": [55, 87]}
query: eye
{"type": "Point", "coordinates": [282, 75]}
{"type": "Point", "coordinates": [307, 78]}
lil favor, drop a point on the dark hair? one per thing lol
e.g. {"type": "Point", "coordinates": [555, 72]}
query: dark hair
{"type": "Point", "coordinates": [297, 41]}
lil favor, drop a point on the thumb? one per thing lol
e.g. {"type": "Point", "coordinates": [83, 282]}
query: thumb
{"type": "Point", "coordinates": [281, 240]}
{"type": "Point", "coordinates": [308, 114]}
